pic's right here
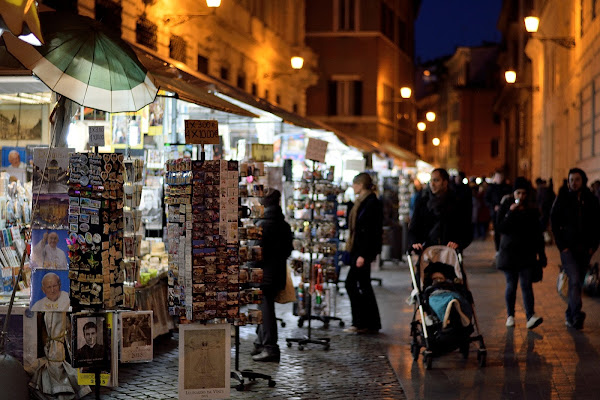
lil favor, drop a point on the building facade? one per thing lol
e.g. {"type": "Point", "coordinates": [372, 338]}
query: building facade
{"type": "Point", "coordinates": [245, 43]}
{"type": "Point", "coordinates": [365, 50]}
{"type": "Point", "coordinates": [461, 90]}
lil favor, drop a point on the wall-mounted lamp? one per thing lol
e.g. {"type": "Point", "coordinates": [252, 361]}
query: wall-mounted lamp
{"type": "Point", "coordinates": [510, 76]}
{"type": "Point", "coordinates": [435, 141]}
{"type": "Point", "coordinates": [421, 126]}
{"type": "Point", "coordinates": [532, 24]}
{"type": "Point", "coordinates": [430, 116]}
{"type": "Point", "coordinates": [296, 62]}
{"type": "Point", "coordinates": [405, 92]}
{"type": "Point", "coordinates": [174, 20]}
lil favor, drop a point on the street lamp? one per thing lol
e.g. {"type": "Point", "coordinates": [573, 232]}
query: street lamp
{"type": "Point", "coordinates": [430, 116]}
{"type": "Point", "coordinates": [532, 24]}
{"type": "Point", "coordinates": [175, 20]}
{"type": "Point", "coordinates": [405, 92]}
{"type": "Point", "coordinates": [435, 141]}
{"type": "Point", "coordinates": [421, 126]}
{"type": "Point", "coordinates": [296, 62]}
{"type": "Point", "coordinates": [510, 76]}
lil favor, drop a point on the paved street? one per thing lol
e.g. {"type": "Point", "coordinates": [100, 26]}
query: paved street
{"type": "Point", "coordinates": [552, 362]}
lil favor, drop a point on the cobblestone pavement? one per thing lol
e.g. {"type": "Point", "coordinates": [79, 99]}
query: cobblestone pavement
{"type": "Point", "coordinates": [355, 367]}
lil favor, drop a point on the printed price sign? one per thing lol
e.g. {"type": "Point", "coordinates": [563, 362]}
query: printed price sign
{"type": "Point", "coordinates": [316, 150]}
{"type": "Point", "coordinates": [201, 131]}
{"type": "Point", "coordinates": [96, 136]}
{"type": "Point", "coordinates": [262, 152]}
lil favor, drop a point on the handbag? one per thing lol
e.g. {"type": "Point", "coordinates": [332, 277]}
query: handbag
{"type": "Point", "coordinates": [562, 284]}
{"type": "Point", "coordinates": [591, 282]}
{"type": "Point", "coordinates": [288, 294]}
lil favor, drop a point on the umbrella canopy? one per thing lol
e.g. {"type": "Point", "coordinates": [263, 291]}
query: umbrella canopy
{"type": "Point", "coordinates": [20, 17]}
{"type": "Point", "coordinates": [86, 63]}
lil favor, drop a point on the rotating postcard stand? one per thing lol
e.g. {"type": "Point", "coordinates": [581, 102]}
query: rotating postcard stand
{"type": "Point", "coordinates": [315, 151]}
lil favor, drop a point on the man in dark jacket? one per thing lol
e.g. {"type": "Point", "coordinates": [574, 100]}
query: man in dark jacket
{"type": "Point", "coordinates": [493, 197]}
{"type": "Point", "coordinates": [276, 246]}
{"type": "Point", "coordinates": [574, 218]}
{"type": "Point", "coordinates": [440, 218]}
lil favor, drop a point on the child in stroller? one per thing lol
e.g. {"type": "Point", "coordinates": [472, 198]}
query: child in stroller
{"type": "Point", "coordinates": [444, 316]}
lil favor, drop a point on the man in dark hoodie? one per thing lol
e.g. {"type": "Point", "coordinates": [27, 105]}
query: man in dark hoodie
{"type": "Point", "coordinates": [276, 246]}
{"type": "Point", "coordinates": [574, 218]}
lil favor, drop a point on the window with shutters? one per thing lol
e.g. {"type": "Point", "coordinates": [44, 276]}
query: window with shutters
{"type": "Point", "coordinates": [344, 15]}
{"type": "Point", "coordinates": [241, 81]}
{"type": "Point", "coordinates": [345, 97]}
{"type": "Point", "coordinates": [202, 64]}
{"type": "Point", "coordinates": [108, 12]}
{"type": "Point", "coordinates": [254, 89]}
{"type": "Point", "coordinates": [225, 73]}
{"type": "Point", "coordinates": [145, 33]}
{"type": "Point", "coordinates": [177, 48]}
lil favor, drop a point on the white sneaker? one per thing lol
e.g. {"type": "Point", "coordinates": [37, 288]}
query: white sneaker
{"type": "Point", "coordinates": [534, 321]}
{"type": "Point", "coordinates": [510, 321]}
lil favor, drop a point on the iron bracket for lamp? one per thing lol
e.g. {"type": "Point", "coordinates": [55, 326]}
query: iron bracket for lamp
{"type": "Point", "coordinates": [568, 42]}
{"type": "Point", "coordinates": [275, 75]}
{"type": "Point", "coordinates": [174, 20]}
{"type": "Point", "coordinates": [524, 86]}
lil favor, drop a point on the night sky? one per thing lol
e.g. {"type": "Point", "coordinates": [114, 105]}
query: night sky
{"type": "Point", "coordinates": [444, 24]}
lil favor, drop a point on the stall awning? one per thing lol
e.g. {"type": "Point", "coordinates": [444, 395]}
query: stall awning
{"type": "Point", "coordinates": [186, 85]}
{"type": "Point", "coordinates": [356, 141]}
{"type": "Point", "coordinates": [399, 153]}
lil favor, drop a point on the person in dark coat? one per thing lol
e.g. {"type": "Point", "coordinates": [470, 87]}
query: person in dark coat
{"type": "Point", "coordinates": [493, 196]}
{"type": "Point", "coordinates": [521, 249]}
{"type": "Point", "coordinates": [276, 246]}
{"type": "Point", "coordinates": [364, 244]}
{"type": "Point", "coordinates": [574, 218]}
{"type": "Point", "coordinates": [439, 218]}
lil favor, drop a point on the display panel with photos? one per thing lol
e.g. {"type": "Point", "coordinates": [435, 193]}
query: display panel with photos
{"type": "Point", "coordinates": [109, 374]}
{"type": "Point", "coordinates": [91, 340]}
{"type": "Point", "coordinates": [49, 249]}
{"type": "Point", "coordinates": [204, 361]}
{"type": "Point", "coordinates": [50, 290]}
{"type": "Point", "coordinates": [136, 336]}
{"type": "Point", "coordinates": [50, 170]}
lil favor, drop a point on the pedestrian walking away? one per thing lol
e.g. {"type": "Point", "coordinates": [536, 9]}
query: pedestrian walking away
{"type": "Point", "coordinates": [522, 249]}
{"type": "Point", "coordinates": [364, 244]}
{"type": "Point", "coordinates": [574, 219]}
{"type": "Point", "coordinates": [276, 246]}
{"type": "Point", "coordinates": [494, 195]}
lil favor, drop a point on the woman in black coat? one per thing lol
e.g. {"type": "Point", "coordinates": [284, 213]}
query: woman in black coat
{"type": "Point", "coordinates": [276, 244]}
{"type": "Point", "coordinates": [364, 244]}
{"type": "Point", "coordinates": [521, 250]}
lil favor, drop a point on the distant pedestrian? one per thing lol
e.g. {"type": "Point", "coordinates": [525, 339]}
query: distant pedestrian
{"type": "Point", "coordinates": [364, 244]}
{"type": "Point", "coordinates": [439, 218]}
{"type": "Point", "coordinates": [521, 250]}
{"type": "Point", "coordinates": [574, 217]}
{"type": "Point", "coordinates": [495, 192]}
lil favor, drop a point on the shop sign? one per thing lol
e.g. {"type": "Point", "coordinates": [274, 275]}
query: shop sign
{"type": "Point", "coordinates": [201, 131]}
{"type": "Point", "coordinates": [316, 150]}
{"type": "Point", "coordinates": [262, 152]}
{"type": "Point", "coordinates": [96, 136]}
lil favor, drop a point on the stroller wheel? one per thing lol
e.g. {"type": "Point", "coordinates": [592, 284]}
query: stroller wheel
{"type": "Point", "coordinates": [414, 349]}
{"type": "Point", "coordinates": [482, 357]}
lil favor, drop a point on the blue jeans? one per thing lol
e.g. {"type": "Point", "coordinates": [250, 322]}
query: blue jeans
{"type": "Point", "coordinates": [512, 279]}
{"type": "Point", "coordinates": [575, 265]}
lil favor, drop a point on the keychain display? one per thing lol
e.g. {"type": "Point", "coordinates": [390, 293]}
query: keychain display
{"type": "Point", "coordinates": [95, 243]}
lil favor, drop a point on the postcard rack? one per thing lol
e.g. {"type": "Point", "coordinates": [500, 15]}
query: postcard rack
{"type": "Point", "coordinates": [315, 244]}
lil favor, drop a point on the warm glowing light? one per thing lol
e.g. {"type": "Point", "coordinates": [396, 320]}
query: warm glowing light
{"type": "Point", "coordinates": [421, 126]}
{"type": "Point", "coordinates": [430, 116]}
{"type": "Point", "coordinates": [405, 92]}
{"type": "Point", "coordinates": [532, 24]}
{"type": "Point", "coordinates": [213, 3]}
{"type": "Point", "coordinates": [435, 141]}
{"type": "Point", "coordinates": [426, 73]}
{"type": "Point", "coordinates": [510, 76]}
{"type": "Point", "coordinates": [478, 180]}
{"type": "Point", "coordinates": [465, 181]}
{"type": "Point", "coordinates": [297, 62]}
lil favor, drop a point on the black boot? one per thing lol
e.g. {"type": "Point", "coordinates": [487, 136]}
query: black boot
{"type": "Point", "coordinates": [265, 355]}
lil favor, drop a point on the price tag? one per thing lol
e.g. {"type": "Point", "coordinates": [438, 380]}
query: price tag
{"type": "Point", "coordinates": [96, 136]}
{"type": "Point", "coordinates": [316, 150]}
{"type": "Point", "coordinates": [201, 131]}
{"type": "Point", "coordinates": [262, 152]}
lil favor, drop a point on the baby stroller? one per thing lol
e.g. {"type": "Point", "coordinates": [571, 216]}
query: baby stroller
{"type": "Point", "coordinates": [444, 317]}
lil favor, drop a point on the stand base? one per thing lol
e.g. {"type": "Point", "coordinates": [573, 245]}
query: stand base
{"type": "Point", "coordinates": [324, 319]}
{"type": "Point", "coordinates": [252, 376]}
{"type": "Point", "coordinates": [306, 340]}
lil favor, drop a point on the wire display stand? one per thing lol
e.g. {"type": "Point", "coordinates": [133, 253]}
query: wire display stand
{"type": "Point", "coordinates": [246, 373]}
{"type": "Point", "coordinates": [315, 247]}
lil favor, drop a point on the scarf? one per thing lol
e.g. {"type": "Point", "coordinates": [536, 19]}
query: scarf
{"type": "Point", "coordinates": [353, 217]}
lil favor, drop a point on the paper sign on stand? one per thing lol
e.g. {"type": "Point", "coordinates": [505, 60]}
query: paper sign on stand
{"type": "Point", "coordinates": [262, 152]}
{"type": "Point", "coordinates": [96, 136]}
{"type": "Point", "coordinates": [201, 131]}
{"type": "Point", "coordinates": [316, 150]}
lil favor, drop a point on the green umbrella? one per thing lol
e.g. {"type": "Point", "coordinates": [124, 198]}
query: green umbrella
{"type": "Point", "coordinates": [85, 62]}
